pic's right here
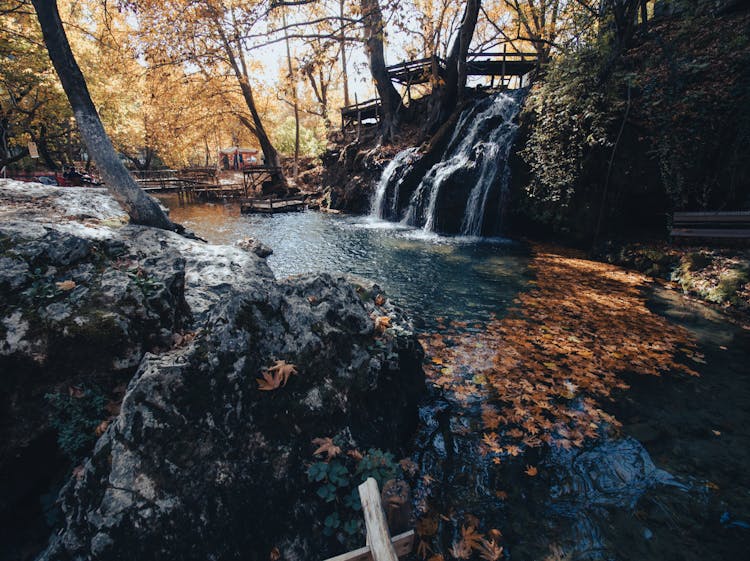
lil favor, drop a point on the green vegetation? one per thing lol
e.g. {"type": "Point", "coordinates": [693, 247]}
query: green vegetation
{"type": "Point", "coordinates": [75, 415]}
{"type": "Point", "coordinates": [337, 481]}
{"type": "Point", "coordinates": [622, 134]}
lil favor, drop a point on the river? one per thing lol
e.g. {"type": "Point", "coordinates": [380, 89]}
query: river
{"type": "Point", "coordinates": [430, 276]}
{"type": "Point", "coordinates": [668, 480]}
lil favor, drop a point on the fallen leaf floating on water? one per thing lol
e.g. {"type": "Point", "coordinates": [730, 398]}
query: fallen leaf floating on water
{"type": "Point", "coordinates": [327, 447]}
{"type": "Point", "coordinates": [423, 548]}
{"type": "Point", "coordinates": [545, 372]}
{"type": "Point", "coordinates": [490, 550]}
{"type": "Point", "coordinates": [66, 285]}
{"type": "Point", "coordinates": [379, 300]}
{"type": "Point", "coordinates": [531, 471]}
{"type": "Point", "coordinates": [460, 550]}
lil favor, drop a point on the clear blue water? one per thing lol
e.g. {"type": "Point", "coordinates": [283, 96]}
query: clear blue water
{"type": "Point", "coordinates": [430, 276]}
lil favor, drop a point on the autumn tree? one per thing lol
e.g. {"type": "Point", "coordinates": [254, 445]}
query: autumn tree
{"type": "Point", "coordinates": [141, 208]}
{"type": "Point", "coordinates": [33, 106]}
{"type": "Point", "coordinates": [216, 37]}
{"type": "Point", "coordinates": [374, 31]}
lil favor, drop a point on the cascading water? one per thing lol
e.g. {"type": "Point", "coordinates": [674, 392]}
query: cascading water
{"type": "Point", "coordinates": [392, 176]}
{"type": "Point", "coordinates": [468, 182]}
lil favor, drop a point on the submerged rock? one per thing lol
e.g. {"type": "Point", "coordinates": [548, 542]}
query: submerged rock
{"type": "Point", "coordinates": [200, 463]}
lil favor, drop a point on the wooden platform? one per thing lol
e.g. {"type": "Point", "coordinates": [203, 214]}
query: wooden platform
{"type": "Point", "coordinates": [711, 225]}
{"type": "Point", "coordinates": [255, 177]}
{"type": "Point", "coordinates": [502, 65]}
{"type": "Point", "coordinates": [204, 184]}
{"type": "Point", "coordinates": [272, 206]}
{"type": "Point", "coordinates": [477, 64]}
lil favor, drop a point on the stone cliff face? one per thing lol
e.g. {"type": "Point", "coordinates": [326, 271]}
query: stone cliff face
{"type": "Point", "coordinates": [199, 463]}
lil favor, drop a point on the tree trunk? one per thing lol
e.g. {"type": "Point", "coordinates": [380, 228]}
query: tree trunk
{"type": "Point", "coordinates": [295, 101]}
{"type": "Point", "coordinates": [141, 208]}
{"type": "Point", "coordinates": [342, 46]}
{"type": "Point", "coordinates": [446, 97]}
{"type": "Point", "coordinates": [41, 142]}
{"type": "Point", "coordinates": [270, 155]}
{"type": "Point", "coordinates": [390, 100]}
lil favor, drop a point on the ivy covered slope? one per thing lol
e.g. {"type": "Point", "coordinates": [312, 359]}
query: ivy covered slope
{"type": "Point", "coordinates": [619, 134]}
{"type": "Point", "coordinates": [234, 375]}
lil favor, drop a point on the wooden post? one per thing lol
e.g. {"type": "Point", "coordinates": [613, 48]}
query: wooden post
{"type": "Point", "coordinates": [359, 116]}
{"type": "Point", "coordinates": [375, 522]}
{"type": "Point", "coordinates": [505, 52]}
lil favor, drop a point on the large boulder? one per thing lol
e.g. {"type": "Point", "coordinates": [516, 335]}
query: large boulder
{"type": "Point", "coordinates": [200, 462]}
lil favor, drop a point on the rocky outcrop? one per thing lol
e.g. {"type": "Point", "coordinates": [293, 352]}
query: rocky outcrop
{"type": "Point", "coordinates": [200, 462]}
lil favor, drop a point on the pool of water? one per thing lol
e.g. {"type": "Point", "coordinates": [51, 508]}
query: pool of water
{"type": "Point", "coordinates": [697, 429]}
{"type": "Point", "coordinates": [457, 279]}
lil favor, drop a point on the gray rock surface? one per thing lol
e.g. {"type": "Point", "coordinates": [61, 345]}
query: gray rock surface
{"type": "Point", "coordinates": [199, 463]}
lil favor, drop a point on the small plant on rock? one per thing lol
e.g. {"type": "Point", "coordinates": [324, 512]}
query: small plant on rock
{"type": "Point", "coordinates": [338, 475]}
{"type": "Point", "coordinates": [75, 415]}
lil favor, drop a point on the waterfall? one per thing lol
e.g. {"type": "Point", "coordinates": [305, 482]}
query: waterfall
{"type": "Point", "coordinates": [392, 177]}
{"type": "Point", "coordinates": [467, 186]}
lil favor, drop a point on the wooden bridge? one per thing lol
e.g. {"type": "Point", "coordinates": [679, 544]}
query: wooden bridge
{"type": "Point", "coordinates": [204, 183]}
{"type": "Point", "coordinates": [502, 65]}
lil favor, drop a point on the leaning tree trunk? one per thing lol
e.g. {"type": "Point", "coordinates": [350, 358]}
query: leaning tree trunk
{"type": "Point", "coordinates": [141, 208]}
{"type": "Point", "coordinates": [449, 95]}
{"type": "Point", "coordinates": [390, 100]}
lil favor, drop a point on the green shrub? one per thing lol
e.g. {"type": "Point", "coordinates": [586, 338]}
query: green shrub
{"type": "Point", "coordinates": [75, 416]}
{"type": "Point", "coordinates": [337, 483]}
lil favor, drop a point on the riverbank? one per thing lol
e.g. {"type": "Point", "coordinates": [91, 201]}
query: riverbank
{"type": "Point", "coordinates": [717, 276]}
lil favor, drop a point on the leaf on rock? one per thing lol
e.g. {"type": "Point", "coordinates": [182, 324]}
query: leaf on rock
{"type": "Point", "coordinates": [269, 381]}
{"type": "Point", "coordinates": [327, 447]}
{"type": "Point", "coordinates": [382, 323]}
{"type": "Point", "coordinates": [66, 285]}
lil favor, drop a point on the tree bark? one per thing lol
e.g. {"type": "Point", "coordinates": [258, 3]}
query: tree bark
{"type": "Point", "coordinates": [295, 100]}
{"type": "Point", "coordinates": [342, 46]}
{"type": "Point", "coordinates": [390, 101]}
{"type": "Point", "coordinates": [270, 155]}
{"type": "Point", "coordinates": [141, 208]}
{"type": "Point", "coordinates": [447, 96]}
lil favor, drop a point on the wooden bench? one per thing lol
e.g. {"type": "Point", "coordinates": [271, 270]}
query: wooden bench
{"type": "Point", "coordinates": [715, 225]}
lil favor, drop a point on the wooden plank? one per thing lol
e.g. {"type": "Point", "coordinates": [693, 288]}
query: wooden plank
{"type": "Point", "coordinates": [710, 233]}
{"type": "Point", "coordinates": [718, 217]}
{"type": "Point", "coordinates": [403, 544]}
{"type": "Point", "coordinates": [375, 522]}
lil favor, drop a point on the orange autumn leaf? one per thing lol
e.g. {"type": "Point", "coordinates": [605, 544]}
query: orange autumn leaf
{"type": "Point", "coordinates": [382, 323]}
{"type": "Point", "coordinates": [284, 370]}
{"type": "Point", "coordinates": [66, 285]}
{"type": "Point", "coordinates": [531, 471]}
{"type": "Point", "coordinates": [471, 537]}
{"type": "Point", "coordinates": [490, 550]}
{"type": "Point", "coordinates": [379, 300]}
{"type": "Point", "coordinates": [423, 549]}
{"type": "Point", "coordinates": [327, 447]}
{"type": "Point", "coordinates": [270, 381]}
{"type": "Point", "coordinates": [356, 454]}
